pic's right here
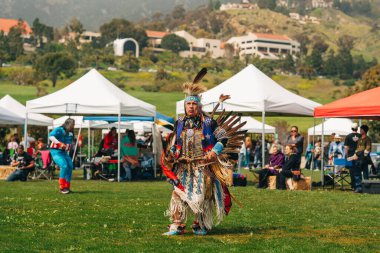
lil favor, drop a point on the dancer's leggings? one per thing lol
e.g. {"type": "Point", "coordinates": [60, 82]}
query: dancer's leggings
{"type": "Point", "coordinates": [63, 160]}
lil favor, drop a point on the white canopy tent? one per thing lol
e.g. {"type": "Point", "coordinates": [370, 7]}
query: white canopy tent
{"type": "Point", "coordinates": [92, 94]}
{"type": "Point", "coordinates": [252, 92]}
{"type": "Point", "coordinates": [339, 126]}
{"type": "Point", "coordinates": [9, 118]}
{"type": "Point", "coordinates": [79, 122]}
{"type": "Point", "coordinates": [8, 103]}
{"type": "Point", "coordinates": [255, 126]}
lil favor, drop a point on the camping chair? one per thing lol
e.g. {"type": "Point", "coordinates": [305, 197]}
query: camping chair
{"type": "Point", "coordinates": [44, 165]}
{"type": "Point", "coordinates": [337, 173]}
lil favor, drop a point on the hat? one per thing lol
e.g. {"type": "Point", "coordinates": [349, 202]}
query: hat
{"type": "Point", "coordinates": [337, 136]}
{"type": "Point", "coordinates": [364, 127]}
{"type": "Point", "coordinates": [354, 125]}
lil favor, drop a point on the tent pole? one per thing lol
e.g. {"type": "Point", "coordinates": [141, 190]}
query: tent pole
{"type": "Point", "coordinates": [154, 147]}
{"type": "Point", "coordinates": [313, 148]}
{"type": "Point", "coordinates": [76, 143]}
{"type": "Point", "coordinates": [26, 130]}
{"type": "Point", "coordinates": [322, 154]}
{"type": "Point", "coordinates": [92, 144]}
{"type": "Point", "coordinates": [118, 144]}
{"type": "Point", "coordinates": [88, 141]}
{"type": "Point", "coordinates": [263, 141]}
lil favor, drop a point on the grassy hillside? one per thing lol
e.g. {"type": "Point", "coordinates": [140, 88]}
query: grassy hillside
{"type": "Point", "coordinates": [334, 24]}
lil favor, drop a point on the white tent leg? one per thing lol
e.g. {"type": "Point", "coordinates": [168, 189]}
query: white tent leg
{"type": "Point", "coordinates": [26, 130]}
{"type": "Point", "coordinates": [322, 154]}
{"type": "Point", "coordinates": [118, 145]}
{"type": "Point", "coordinates": [76, 143]}
{"type": "Point", "coordinates": [88, 142]}
{"type": "Point", "coordinates": [263, 142]}
{"type": "Point", "coordinates": [92, 144]}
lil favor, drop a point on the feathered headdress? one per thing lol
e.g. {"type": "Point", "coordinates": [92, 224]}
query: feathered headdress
{"type": "Point", "coordinates": [192, 90]}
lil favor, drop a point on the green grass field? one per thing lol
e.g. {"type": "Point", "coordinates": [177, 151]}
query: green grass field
{"type": "Point", "coordinates": [129, 217]}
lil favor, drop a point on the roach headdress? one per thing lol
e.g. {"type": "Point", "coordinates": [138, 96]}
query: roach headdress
{"type": "Point", "coordinates": [193, 89]}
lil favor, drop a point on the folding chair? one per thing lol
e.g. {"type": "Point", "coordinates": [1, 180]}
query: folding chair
{"type": "Point", "coordinates": [44, 165]}
{"type": "Point", "coordinates": [338, 173]}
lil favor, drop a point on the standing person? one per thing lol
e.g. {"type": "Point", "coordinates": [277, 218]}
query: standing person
{"type": "Point", "coordinates": [248, 151]}
{"type": "Point", "coordinates": [291, 164]}
{"type": "Point", "coordinates": [309, 156]}
{"type": "Point", "coordinates": [317, 156]}
{"type": "Point", "coordinates": [193, 163]}
{"type": "Point", "coordinates": [61, 139]}
{"type": "Point", "coordinates": [295, 140]}
{"type": "Point", "coordinates": [350, 145]}
{"type": "Point", "coordinates": [257, 155]}
{"type": "Point", "coordinates": [361, 158]}
{"type": "Point", "coordinates": [24, 163]}
{"type": "Point", "coordinates": [129, 153]}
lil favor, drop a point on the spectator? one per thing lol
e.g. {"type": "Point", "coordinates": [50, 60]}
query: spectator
{"type": "Point", "coordinates": [31, 150]}
{"type": "Point", "coordinates": [257, 155]}
{"type": "Point", "coordinates": [24, 163]}
{"type": "Point", "coordinates": [13, 144]}
{"type": "Point", "coordinates": [309, 156]}
{"type": "Point", "coordinates": [291, 164]}
{"type": "Point", "coordinates": [336, 149]}
{"type": "Point", "coordinates": [350, 145]}
{"type": "Point", "coordinates": [361, 158]}
{"type": "Point", "coordinates": [276, 161]}
{"type": "Point", "coordinates": [41, 145]}
{"type": "Point", "coordinates": [129, 153]}
{"type": "Point", "coordinates": [295, 140]}
{"type": "Point", "coordinates": [317, 156]}
{"type": "Point", "coordinates": [110, 141]}
{"type": "Point", "coordinates": [248, 151]}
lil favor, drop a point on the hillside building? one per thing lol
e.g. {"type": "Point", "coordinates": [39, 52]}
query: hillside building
{"type": "Point", "coordinates": [85, 37]}
{"type": "Point", "coordinates": [265, 46]}
{"type": "Point", "coordinates": [7, 24]}
{"type": "Point", "coordinates": [202, 46]}
{"type": "Point", "coordinates": [247, 5]}
{"type": "Point", "coordinates": [322, 3]}
{"type": "Point", "coordinates": [155, 38]}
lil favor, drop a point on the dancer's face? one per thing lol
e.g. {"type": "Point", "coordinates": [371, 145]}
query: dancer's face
{"type": "Point", "coordinates": [191, 108]}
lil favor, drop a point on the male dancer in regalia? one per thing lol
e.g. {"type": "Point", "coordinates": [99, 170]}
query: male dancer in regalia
{"type": "Point", "coordinates": [199, 162]}
{"type": "Point", "coordinates": [61, 139]}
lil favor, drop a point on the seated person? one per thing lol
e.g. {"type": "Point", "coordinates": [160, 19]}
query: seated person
{"type": "Point", "coordinates": [276, 162]}
{"type": "Point", "coordinates": [129, 153]}
{"type": "Point", "coordinates": [24, 163]}
{"type": "Point", "coordinates": [110, 141]}
{"type": "Point", "coordinates": [41, 145]}
{"type": "Point", "coordinates": [291, 164]}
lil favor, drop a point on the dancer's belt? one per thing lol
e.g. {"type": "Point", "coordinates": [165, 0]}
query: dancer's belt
{"type": "Point", "coordinates": [60, 146]}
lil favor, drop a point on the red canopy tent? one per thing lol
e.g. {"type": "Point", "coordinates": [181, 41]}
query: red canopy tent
{"type": "Point", "coordinates": [365, 104]}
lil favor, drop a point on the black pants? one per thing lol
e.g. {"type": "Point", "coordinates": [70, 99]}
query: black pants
{"type": "Point", "coordinates": [281, 179]}
{"type": "Point", "coordinates": [263, 177]}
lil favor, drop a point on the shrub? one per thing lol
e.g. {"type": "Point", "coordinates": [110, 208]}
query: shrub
{"type": "Point", "coordinates": [23, 76]}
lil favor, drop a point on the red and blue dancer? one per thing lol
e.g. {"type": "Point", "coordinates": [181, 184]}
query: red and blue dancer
{"type": "Point", "coordinates": [61, 139]}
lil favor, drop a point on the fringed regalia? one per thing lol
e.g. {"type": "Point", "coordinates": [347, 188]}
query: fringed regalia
{"type": "Point", "coordinates": [200, 185]}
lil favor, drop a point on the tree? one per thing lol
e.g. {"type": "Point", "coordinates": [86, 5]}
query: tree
{"type": "Point", "coordinates": [4, 55]}
{"type": "Point", "coordinates": [304, 41]}
{"type": "Point", "coordinates": [329, 66]}
{"type": "Point", "coordinates": [15, 41]}
{"type": "Point", "coordinates": [129, 62]}
{"type": "Point", "coordinates": [267, 4]}
{"type": "Point", "coordinates": [121, 28]}
{"type": "Point", "coordinates": [53, 65]}
{"type": "Point", "coordinates": [174, 43]}
{"type": "Point", "coordinates": [178, 12]}
{"type": "Point", "coordinates": [370, 80]}
{"type": "Point", "coordinates": [288, 64]}
{"type": "Point", "coordinates": [40, 31]}
{"type": "Point", "coordinates": [345, 64]}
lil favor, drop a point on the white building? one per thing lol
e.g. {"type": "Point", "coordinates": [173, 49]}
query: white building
{"type": "Point", "coordinates": [120, 46]}
{"type": "Point", "coordinates": [322, 3]}
{"type": "Point", "coordinates": [265, 46]}
{"type": "Point", "coordinates": [202, 46]}
{"type": "Point", "coordinates": [238, 6]}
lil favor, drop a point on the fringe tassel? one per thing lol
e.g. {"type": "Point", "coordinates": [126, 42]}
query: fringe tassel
{"type": "Point", "coordinates": [194, 204]}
